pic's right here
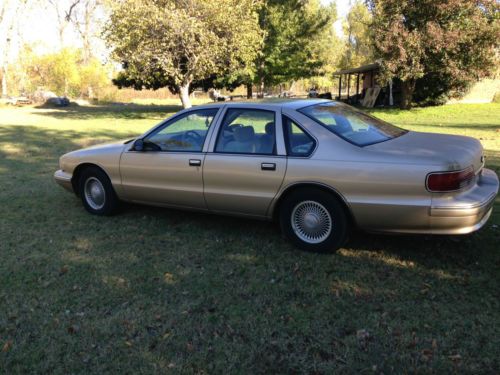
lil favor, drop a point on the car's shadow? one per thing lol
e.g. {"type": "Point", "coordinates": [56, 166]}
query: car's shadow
{"type": "Point", "coordinates": [430, 250]}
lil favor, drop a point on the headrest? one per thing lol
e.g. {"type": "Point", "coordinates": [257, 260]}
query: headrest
{"type": "Point", "coordinates": [244, 134]}
{"type": "Point", "coordinates": [270, 128]}
{"type": "Point", "coordinates": [234, 126]}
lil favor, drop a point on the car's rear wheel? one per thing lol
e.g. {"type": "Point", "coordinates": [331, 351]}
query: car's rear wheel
{"type": "Point", "coordinates": [97, 193]}
{"type": "Point", "coordinates": [314, 220]}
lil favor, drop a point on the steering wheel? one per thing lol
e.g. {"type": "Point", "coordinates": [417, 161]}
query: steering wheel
{"type": "Point", "coordinates": [194, 136]}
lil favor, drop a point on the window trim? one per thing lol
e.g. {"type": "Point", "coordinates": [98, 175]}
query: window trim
{"type": "Point", "coordinates": [285, 138]}
{"type": "Point", "coordinates": [176, 117]}
{"type": "Point", "coordinates": [221, 127]}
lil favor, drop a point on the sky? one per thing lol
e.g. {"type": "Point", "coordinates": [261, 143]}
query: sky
{"type": "Point", "coordinates": [343, 7]}
{"type": "Point", "coordinates": [40, 30]}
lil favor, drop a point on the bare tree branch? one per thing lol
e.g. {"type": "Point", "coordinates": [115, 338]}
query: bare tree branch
{"type": "Point", "coordinates": [72, 6]}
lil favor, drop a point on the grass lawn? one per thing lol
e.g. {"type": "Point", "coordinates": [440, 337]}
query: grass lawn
{"type": "Point", "coordinates": [160, 291]}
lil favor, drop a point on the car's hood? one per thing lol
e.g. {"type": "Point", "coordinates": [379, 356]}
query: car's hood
{"type": "Point", "coordinates": [452, 151]}
{"type": "Point", "coordinates": [106, 146]}
{"type": "Point", "coordinates": [104, 155]}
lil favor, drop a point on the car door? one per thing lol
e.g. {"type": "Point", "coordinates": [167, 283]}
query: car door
{"type": "Point", "coordinates": [168, 169]}
{"type": "Point", "coordinates": [246, 162]}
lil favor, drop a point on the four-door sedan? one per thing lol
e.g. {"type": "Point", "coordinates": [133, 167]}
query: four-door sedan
{"type": "Point", "coordinates": [318, 167]}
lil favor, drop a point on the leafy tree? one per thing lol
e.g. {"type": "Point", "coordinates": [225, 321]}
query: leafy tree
{"type": "Point", "coordinates": [63, 72]}
{"type": "Point", "coordinates": [358, 44]}
{"type": "Point", "coordinates": [94, 76]}
{"type": "Point", "coordinates": [295, 31]}
{"type": "Point", "coordinates": [57, 72]}
{"type": "Point", "coordinates": [175, 43]}
{"type": "Point", "coordinates": [457, 38]}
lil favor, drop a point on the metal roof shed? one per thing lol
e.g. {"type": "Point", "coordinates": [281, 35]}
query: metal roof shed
{"type": "Point", "coordinates": [369, 68]}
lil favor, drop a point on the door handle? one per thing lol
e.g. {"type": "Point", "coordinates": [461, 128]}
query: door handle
{"type": "Point", "coordinates": [268, 166]}
{"type": "Point", "coordinates": [194, 162]}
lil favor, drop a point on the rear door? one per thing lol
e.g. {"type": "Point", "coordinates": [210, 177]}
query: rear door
{"type": "Point", "coordinates": [246, 166]}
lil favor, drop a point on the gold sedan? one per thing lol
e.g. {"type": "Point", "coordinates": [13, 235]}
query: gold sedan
{"type": "Point", "coordinates": [317, 167]}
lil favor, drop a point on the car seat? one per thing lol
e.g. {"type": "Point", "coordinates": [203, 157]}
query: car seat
{"type": "Point", "coordinates": [244, 141]}
{"type": "Point", "coordinates": [267, 140]}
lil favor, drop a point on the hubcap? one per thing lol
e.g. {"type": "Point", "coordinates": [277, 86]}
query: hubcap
{"type": "Point", "coordinates": [95, 195]}
{"type": "Point", "coordinates": [311, 222]}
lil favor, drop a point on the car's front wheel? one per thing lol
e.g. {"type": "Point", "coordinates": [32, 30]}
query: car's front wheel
{"type": "Point", "coordinates": [314, 220]}
{"type": "Point", "coordinates": [97, 193]}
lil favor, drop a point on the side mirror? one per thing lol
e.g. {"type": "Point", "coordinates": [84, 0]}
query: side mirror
{"type": "Point", "coordinates": [139, 145]}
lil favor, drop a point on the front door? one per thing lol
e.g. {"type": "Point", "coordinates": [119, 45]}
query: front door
{"type": "Point", "coordinates": [168, 170]}
{"type": "Point", "coordinates": [244, 172]}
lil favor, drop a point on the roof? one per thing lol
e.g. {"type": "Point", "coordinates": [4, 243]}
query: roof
{"type": "Point", "coordinates": [360, 69]}
{"type": "Point", "coordinates": [270, 103]}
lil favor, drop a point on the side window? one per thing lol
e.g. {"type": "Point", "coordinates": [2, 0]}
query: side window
{"type": "Point", "coordinates": [298, 142]}
{"type": "Point", "coordinates": [183, 134]}
{"type": "Point", "coordinates": [247, 131]}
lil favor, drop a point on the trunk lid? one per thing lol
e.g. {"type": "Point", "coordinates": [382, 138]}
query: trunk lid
{"type": "Point", "coordinates": [451, 152]}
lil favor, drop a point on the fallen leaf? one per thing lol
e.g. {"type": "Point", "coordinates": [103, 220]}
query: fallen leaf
{"type": "Point", "coordinates": [7, 346]}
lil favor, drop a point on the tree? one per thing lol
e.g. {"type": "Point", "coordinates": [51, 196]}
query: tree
{"type": "Point", "coordinates": [292, 30]}
{"type": "Point", "coordinates": [173, 43]}
{"type": "Point", "coordinates": [63, 72]}
{"type": "Point", "coordinates": [9, 15]}
{"type": "Point", "coordinates": [358, 44]}
{"type": "Point", "coordinates": [64, 10]}
{"type": "Point", "coordinates": [455, 38]}
{"type": "Point", "coordinates": [87, 23]}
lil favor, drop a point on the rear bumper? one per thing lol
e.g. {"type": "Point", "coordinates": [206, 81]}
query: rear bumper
{"type": "Point", "coordinates": [63, 179]}
{"type": "Point", "coordinates": [465, 212]}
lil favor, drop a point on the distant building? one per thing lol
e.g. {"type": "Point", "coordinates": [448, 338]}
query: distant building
{"type": "Point", "coordinates": [359, 86]}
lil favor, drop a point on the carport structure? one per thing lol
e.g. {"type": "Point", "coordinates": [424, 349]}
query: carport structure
{"type": "Point", "coordinates": [365, 73]}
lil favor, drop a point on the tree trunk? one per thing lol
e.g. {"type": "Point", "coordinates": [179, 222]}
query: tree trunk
{"type": "Point", "coordinates": [4, 81]}
{"type": "Point", "coordinates": [407, 89]}
{"type": "Point", "coordinates": [261, 88]}
{"type": "Point", "coordinates": [66, 86]}
{"type": "Point", "coordinates": [184, 95]}
{"type": "Point", "coordinates": [90, 92]}
{"type": "Point", "coordinates": [249, 91]}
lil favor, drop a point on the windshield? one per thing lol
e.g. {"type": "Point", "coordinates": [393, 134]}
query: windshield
{"type": "Point", "coordinates": [351, 124]}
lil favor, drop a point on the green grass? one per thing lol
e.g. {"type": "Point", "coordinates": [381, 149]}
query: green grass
{"type": "Point", "coordinates": [161, 291]}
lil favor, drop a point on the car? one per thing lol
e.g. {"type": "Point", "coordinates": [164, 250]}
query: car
{"type": "Point", "coordinates": [318, 167]}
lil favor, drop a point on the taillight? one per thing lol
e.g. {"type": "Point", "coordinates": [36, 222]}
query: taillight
{"type": "Point", "coordinates": [449, 181]}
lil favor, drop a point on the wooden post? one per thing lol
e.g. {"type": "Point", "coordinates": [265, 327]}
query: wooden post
{"type": "Point", "coordinates": [348, 86]}
{"type": "Point", "coordinates": [357, 89]}
{"type": "Point", "coordinates": [340, 86]}
{"type": "Point", "coordinates": [391, 98]}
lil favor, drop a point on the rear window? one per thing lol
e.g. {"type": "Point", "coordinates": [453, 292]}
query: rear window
{"type": "Point", "coordinates": [351, 124]}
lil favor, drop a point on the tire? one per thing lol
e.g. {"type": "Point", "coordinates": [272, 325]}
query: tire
{"type": "Point", "coordinates": [314, 220]}
{"type": "Point", "coordinates": [97, 193]}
